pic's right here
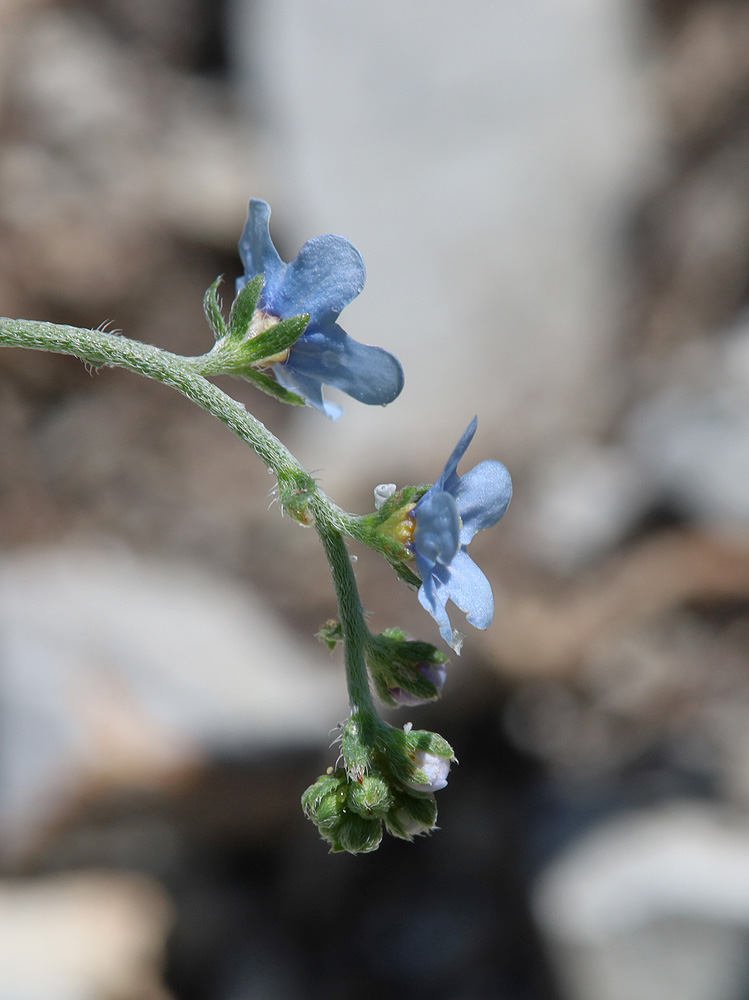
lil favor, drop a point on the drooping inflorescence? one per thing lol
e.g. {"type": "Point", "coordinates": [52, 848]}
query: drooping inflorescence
{"type": "Point", "coordinates": [283, 336]}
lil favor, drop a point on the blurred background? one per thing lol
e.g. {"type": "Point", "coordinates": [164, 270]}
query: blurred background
{"type": "Point", "coordinates": [553, 204]}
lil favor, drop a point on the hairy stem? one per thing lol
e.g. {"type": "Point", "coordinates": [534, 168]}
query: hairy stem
{"type": "Point", "coordinates": [187, 376]}
{"type": "Point", "coordinates": [355, 631]}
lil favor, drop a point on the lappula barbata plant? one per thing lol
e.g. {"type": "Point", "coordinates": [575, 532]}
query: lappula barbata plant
{"type": "Point", "coordinates": [282, 335]}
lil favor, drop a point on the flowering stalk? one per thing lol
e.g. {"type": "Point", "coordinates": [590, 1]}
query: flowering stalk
{"type": "Point", "coordinates": [356, 638]}
{"type": "Point", "coordinates": [299, 494]}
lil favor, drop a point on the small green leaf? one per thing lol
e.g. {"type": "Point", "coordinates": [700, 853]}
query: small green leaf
{"type": "Point", "coordinates": [331, 633]}
{"type": "Point", "coordinates": [275, 340]}
{"type": "Point", "coordinates": [269, 385]}
{"type": "Point", "coordinates": [243, 307]}
{"type": "Point", "coordinates": [212, 310]}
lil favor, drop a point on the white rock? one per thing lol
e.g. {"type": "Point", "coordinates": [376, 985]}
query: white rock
{"type": "Point", "coordinates": [83, 936]}
{"type": "Point", "coordinates": [480, 156]}
{"type": "Point", "coordinates": [653, 905]}
{"type": "Point", "coordinates": [692, 437]}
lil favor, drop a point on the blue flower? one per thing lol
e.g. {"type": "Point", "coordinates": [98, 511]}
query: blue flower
{"type": "Point", "coordinates": [447, 517]}
{"type": "Point", "coordinates": [326, 275]}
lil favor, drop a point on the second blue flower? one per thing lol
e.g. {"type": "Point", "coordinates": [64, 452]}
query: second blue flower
{"type": "Point", "coordinates": [446, 519]}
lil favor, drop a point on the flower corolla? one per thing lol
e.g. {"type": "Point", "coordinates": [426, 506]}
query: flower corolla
{"type": "Point", "coordinates": [325, 276]}
{"type": "Point", "coordinates": [446, 519]}
{"type": "Point", "coordinates": [434, 769]}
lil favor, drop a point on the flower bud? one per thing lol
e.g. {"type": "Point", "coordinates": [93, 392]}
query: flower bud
{"type": "Point", "coordinates": [435, 673]}
{"type": "Point", "coordinates": [325, 801]}
{"type": "Point", "coordinates": [411, 816]}
{"type": "Point", "coordinates": [405, 671]}
{"type": "Point", "coordinates": [369, 797]}
{"type": "Point", "coordinates": [357, 835]}
{"type": "Point", "coordinates": [348, 813]}
{"type": "Point", "coordinates": [418, 759]}
{"type": "Point", "coordinates": [430, 772]}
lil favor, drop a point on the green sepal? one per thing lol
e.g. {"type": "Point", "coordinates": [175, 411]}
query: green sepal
{"type": "Point", "coordinates": [269, 385]}
{"type": "Point", "coordinates": [324, 802]}
{"type": "Point", "coordinates": [212, 310]}
{"type": "Point", "coordinates": [406, 574]}
{"type": "Point", "coordinates": [295, 494]}
{"type": "Point", "coordinates": [348, 814]}
{"type": "Point", "coordinates": [266, 344]}
{"type": "Point", "coordinates": [275, 340]}
{"type": "Point", "coordinates": [243, 307]}
{"type": "Point", "coordinates": [408, 496]}
{"type": "Point", "coordinates": [357, 835]}
{"type": "Point", "coordinates": [357, 742]}
{"type": "Point", "coordinates": [384, 530]}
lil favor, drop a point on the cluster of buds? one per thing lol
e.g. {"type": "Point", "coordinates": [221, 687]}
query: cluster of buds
{"type": "Point", "coordinates": [397, 792]}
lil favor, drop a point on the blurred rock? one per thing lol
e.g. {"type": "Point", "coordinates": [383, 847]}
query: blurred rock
{"type": "Point", "coordinates": [581, 504]}
{"type": "Point", "coordinates": [111, 151]}
{"type": "Point", "coordinates": [121, 671]}
{"type": "Point", "coordinates": [691, 438]}
{"type": "Point", "coordinates": [481, 158]}
{"type": "Point", "coordinates": [705, 69]}
{"type": "Point", "coordinates": [555, 627]}
{"type": "Point", "coordinates": [652, 905]}
{"type": "Point", "coordinates": [93, 935]}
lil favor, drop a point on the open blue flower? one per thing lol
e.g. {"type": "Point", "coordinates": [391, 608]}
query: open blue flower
{"type": "Point", "coordinates": [325, 276]}
{"type": "Point", "coordinates": [447, 517]}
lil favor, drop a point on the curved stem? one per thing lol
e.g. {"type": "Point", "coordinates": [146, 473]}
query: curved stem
{"type": "Point", "coordinates": [299, 492]}
{"type": "Point", "coordinates": [183, 374]}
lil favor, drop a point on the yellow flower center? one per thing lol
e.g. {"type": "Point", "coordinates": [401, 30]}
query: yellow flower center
{"type": "Point", "coordinates": [260, 322]}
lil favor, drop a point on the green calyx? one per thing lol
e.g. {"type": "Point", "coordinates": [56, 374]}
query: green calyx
{"type": "Point", "coordinates": [404, 748]}
{"type": "Point", "coordinates": [393, 660]}
{"type": "Point", "coordinates": [251, 339]}
{"type": "Point", "coordinates": [411, 815]}
{"type": "Point", "coordinates": [390, 529]}
{"type": "Point", "coordinates": [331, 633]}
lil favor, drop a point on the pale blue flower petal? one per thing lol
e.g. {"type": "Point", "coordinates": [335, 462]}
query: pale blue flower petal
{"type": "Point", "coordinates": [326, 275]}
{"type": "Point", "coordinates": [448, 480]}
{"type": "Point", "coordinates": [367, 374]}
{"type": "Point", "coordinates": [482, 495]}
{"type": "Point", "coordinates": [308, 388]}
{"type": "Point", "coordinates": [468, 588]}
{"type": "Point", "coordinates": [447, 572]}
{"type": "Point", "coordinates": [433, 595]}
{"type": "Point", "coordinates": [437, 535]}
{"type": "Point", "coordinates": [256, 249]}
